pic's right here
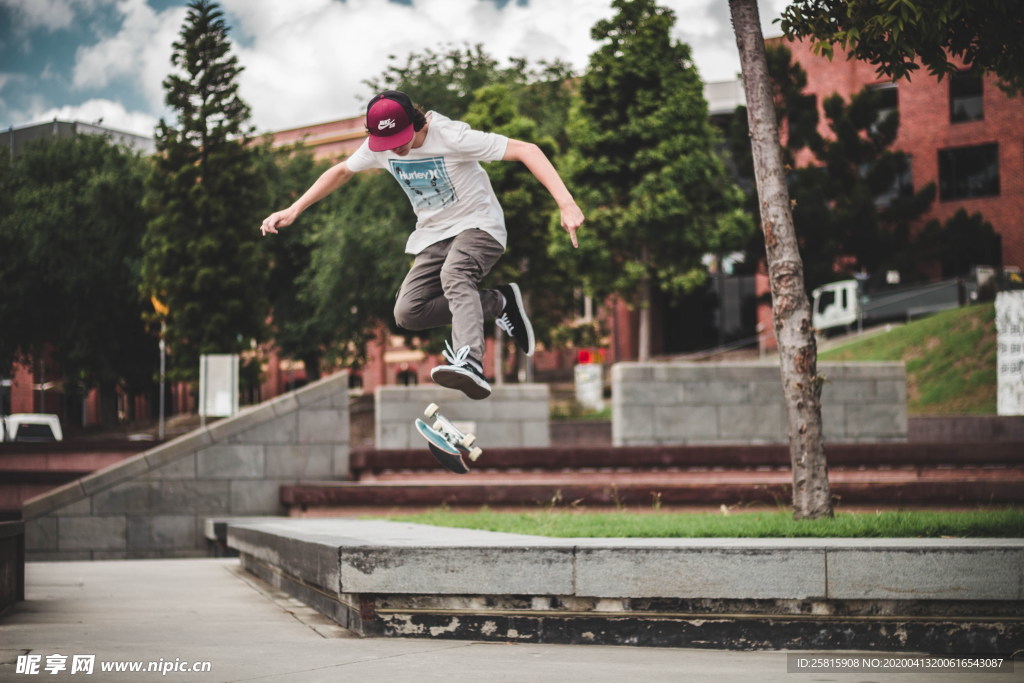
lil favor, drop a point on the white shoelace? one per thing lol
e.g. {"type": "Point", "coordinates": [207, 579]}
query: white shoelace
{"type": "Point", "coordinates": [505, 324]}
{"type": "Point", "coordinates": [456, 358]}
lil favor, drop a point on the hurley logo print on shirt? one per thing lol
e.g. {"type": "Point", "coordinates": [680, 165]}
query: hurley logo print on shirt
{"type": "Point", "coordinates": [426, 182]}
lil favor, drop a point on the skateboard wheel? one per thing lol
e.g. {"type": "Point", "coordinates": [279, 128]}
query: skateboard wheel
{"type": "Point", "coordinates": [468, 440]}
{"type": "Point", "coordinates": [475, 453]}
{"type": "Point", "coordinates": [438, 427]}
{"type": "Point", "coordinates": [431, 410]}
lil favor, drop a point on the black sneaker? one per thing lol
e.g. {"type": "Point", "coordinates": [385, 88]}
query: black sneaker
{"type": "Point", "coordinates": [462, 373]}
{"type": "Point", "coordinates": [514, 320]}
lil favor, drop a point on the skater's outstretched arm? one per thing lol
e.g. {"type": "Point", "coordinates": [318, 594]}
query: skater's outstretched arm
{"type": "Point", "coordinates": [328, 182]}
{"type": "Point", "coordinates": [533, 158]}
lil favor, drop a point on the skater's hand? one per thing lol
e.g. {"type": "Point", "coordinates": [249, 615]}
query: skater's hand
{"type": "Point", "coordinates": [572, 219]}
{"type": "Point", "coordinates": [278, 219]}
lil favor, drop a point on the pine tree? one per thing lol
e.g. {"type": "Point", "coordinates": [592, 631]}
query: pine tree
{"type": "Point", "coordinates": [206, 195]}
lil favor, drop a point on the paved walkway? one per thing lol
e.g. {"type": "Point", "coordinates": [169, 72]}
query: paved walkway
{"type": "Point", "coordinates": [183, 612]}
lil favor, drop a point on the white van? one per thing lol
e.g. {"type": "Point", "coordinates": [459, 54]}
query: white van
{"type": "Point", "coordinates": [836, 304]}
{"type": "Point", "coordinates": [31, 427]}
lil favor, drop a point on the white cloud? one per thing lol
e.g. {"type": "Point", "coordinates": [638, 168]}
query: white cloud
{"type": "Point", "coordinates": [107, 113]}
{"type": "Point", "coordinates": [305, 60]}
{"type": "Point", "coordinates": [140, 52]}
{"type": "Point", "coordinates": [51, 15]}
{"type": "Point", "coordinates": [307, 63]}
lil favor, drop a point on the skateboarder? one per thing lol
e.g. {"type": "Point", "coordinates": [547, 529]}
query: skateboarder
{"type": "Point", "coordinates": [460, 227]}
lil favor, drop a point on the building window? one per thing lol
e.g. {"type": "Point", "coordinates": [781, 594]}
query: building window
{"type": "Point", "coordinates": [407, 378]}
{"type": "Point", "coordinates": [888, 101]}
{"type": "Point", "coordinates": [965, 102]}
{"type": "Point", "coordinates": [902, 181]}
{"type": "Point", "coordinates": [966, 172]}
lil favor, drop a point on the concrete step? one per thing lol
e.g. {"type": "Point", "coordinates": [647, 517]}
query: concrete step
{"type": "Point", "coordinates": [365, 462]}
{"type": "Point", "coordinates": [889, 474]}
{"type": "Point", "coordinates": [897, 487]}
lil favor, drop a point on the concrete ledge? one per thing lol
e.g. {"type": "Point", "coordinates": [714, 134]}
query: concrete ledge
{"type": "Point", "coordinates": [386, 578]}
{"type": "Point", "coordinates": [153, 504]}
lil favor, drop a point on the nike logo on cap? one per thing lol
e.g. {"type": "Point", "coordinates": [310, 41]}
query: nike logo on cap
{"type": "Point", "coordinates": [385, 123]}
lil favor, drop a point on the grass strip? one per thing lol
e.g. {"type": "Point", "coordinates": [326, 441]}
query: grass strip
{"type": "Point", "coordinates": [988, 523]}
{"type": "Point", "coordinates": [950, 359]}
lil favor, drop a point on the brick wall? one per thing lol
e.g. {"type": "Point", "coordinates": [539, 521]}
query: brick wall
{"type": "Point", "coordinates": [925, 129]}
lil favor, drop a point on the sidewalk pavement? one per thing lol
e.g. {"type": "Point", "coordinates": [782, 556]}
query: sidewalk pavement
{"type": "Point", "coordinates": [179, 613]}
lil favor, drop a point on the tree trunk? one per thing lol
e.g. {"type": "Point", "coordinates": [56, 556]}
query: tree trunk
{"type": "Point", "coordinates": [312, 363]}
{"type": "Point", "coordinates": [644, 331]}
{"type": "Point", "coordinates": [791, 309]}
{"type": "Point", "coordinates": [108, 404]}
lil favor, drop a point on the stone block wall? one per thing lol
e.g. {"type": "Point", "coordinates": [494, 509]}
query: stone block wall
{"type": "Point", "coordinates": [708, 403]}
{"type": "Point", "coordinates": [154, 504]}
{"type": "Point", "coordinates": [515, 415]}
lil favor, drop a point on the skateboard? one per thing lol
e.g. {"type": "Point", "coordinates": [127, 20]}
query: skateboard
{"type": "Point", "coordinates": [446, 442]}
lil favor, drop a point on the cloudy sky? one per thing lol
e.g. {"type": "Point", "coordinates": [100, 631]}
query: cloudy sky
{"type": "Point", "coordinates": [304, 60]}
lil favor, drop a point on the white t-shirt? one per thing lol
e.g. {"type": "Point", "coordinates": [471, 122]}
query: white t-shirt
{"type": "Point", "coordinates": [449, 190]}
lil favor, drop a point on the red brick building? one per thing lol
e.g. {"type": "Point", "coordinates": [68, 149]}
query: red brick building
{"type": "Point", "coordinates": [331, 140]}
{"type": "Point", "coordinates": [962, 133]}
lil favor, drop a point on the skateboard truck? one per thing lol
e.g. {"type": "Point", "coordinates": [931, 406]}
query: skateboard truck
{"type": "Point", "coordinates": [446, 441]}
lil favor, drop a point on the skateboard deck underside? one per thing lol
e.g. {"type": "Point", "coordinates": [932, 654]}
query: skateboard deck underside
{"type": "Point", "coordinates": [448, 454]}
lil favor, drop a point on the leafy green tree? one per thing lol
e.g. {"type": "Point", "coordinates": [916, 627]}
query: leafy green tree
{"type": "Point", "coordinates": [446, 81]}
{"type": "Point", "coordinates": [543, 94]}
{"type": "Point", "coordinates": [22, 324]}
{"type": "Point", "coordinates": [646, 165]}
{"type": "Point", "coordinates": [963, 241]}
{"type": "Point", "coordinates": [529, 212]}
{"type": "Point", "coordinates": [295, 328]}
{"type": "Point", "coordinates": [898, 36]}
{"type": "Point", "coordinates": [207, 196]}
{"type": "Point", "coordinates": [357, 264]}
{"type": "Point", "coordinates": [71, 231]}
{"type": "Point", "coordinates": [442, 81]}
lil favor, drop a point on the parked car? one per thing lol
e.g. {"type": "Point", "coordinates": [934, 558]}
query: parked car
{"type": "Point", "coordinates": [31, 427]}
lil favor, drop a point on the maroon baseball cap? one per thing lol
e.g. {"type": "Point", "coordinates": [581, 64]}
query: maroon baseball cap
{"type": "Point", "coordinates": [389, 120]}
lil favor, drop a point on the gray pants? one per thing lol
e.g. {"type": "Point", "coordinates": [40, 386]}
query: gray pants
{"type": "Point", "coordinates": [441, 288]}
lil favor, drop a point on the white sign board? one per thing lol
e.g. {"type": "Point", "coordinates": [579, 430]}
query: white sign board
{"type": "Point", "coordinates": [218, 385]}
{"type": "Point", "coordinates": [1010, 352]}
{"type": "Point", "coordinates": [589, 386]}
